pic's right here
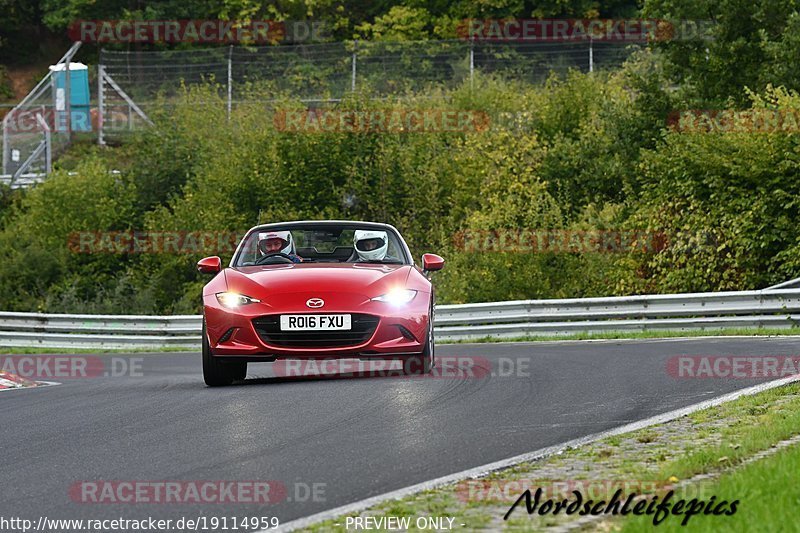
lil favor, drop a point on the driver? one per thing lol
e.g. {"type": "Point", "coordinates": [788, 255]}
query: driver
{"type": "Point", "coordinates": [371, 245]}
{"type": "Point", "coordinates": [278, 242]}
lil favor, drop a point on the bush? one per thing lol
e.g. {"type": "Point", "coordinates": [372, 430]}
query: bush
{"type": "Point", "coordinates": [583, 153]}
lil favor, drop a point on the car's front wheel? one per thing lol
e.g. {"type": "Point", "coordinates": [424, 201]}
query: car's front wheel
{"type": "Point", "coordinates": [424, 362]}
{"type": "Point", "coordinates": [219, 373]}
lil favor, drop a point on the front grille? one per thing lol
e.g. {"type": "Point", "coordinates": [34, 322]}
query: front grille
{"type": "Point", "coordinates": [362, 327]}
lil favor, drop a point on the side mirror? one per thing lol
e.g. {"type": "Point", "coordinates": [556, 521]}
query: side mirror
{"type": "Point", "coordinates": [432, 262]}
{"type": "Point", "coordinates": [209, 265]}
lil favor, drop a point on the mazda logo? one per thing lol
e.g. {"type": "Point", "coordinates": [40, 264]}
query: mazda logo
{"type": "Point", "coordinates": [315, 303]}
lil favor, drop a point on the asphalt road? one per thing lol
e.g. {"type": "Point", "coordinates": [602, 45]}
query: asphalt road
{"type": "Point", "coordinates": [329, 442]}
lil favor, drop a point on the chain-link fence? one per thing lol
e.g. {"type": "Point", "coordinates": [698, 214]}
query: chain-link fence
{"type": "Point", "coordinates": [327, 72]}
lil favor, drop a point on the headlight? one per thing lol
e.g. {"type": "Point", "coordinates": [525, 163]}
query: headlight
{"type": "Point", "coordinates": [396, 297]}
{"type": "Point", "coordinates": [233, 300]}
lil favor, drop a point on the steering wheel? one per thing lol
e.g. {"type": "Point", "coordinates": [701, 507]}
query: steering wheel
{"type": "Point", "coordinates": [282, 258]}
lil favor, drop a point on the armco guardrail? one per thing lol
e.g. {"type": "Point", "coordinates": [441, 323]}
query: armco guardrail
{"type": "Point", "coordinates": [99, 331]}
{"type": "Point", "coordinates": [702, 311]}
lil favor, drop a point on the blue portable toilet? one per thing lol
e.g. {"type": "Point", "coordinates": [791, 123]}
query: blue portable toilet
{"type": "Point", "coordinates": [79, 96]}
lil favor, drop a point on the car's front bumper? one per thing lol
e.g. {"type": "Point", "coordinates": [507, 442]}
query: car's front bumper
{"type": "Point", "coordinates": [401, 330]}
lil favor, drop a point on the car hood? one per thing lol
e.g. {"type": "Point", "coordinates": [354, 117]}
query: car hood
{"type": "Point", "coordinates": [272, 283]}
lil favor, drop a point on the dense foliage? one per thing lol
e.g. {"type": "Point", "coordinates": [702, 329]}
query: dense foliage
{"type": "Point", "coordinates": [582, 153]}
{"type": "Point", "coordinates": [589, 152]}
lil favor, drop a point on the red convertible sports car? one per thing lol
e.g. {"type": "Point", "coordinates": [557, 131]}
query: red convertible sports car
{"type": "Point", "coordinates": [320, 290]}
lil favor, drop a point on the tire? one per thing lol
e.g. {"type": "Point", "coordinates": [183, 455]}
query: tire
{"type": "Point", "coordinates": [217, 372]}
{"type": "Point", "coordinates": [423, 363]}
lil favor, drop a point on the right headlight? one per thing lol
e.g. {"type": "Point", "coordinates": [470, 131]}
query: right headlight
{"type": "Point", "coordinates": [232, 300]}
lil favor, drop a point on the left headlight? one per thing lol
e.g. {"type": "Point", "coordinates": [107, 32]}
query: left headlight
{"type": "Point", "coordinates": [396, 297]}
{"type": "Point", "coordinates": [232, 300]}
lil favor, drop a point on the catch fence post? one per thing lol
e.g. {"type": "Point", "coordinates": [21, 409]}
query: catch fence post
{"type": "Point", "coordinates": [472, 62]}
{"type": "Point", "coordinates": [353, 74]}
{"type": "Point", "coordinates": [230, 79]}
{"type": "Point", "coordinates": [101, 102]}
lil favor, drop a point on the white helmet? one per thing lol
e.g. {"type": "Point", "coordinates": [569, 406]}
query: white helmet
{"type": "Point", "coordinates": [371, 245]}
{"type": "Point", "coordinates": [285, 236]}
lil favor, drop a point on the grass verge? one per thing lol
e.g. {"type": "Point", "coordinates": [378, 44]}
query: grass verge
{"type": "Point", "coordinates": [651, 461]}
{"type": "Point", "coordinates": [766, 490]}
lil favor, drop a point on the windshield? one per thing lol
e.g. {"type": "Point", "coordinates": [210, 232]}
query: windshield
{"type": "Point", "coordinates": [324, 243]}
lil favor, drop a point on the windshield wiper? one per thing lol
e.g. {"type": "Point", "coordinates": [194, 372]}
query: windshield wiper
{"type": "Point", "coordinates": [382, 261]}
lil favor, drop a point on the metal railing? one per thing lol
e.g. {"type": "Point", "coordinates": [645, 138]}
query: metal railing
{"type": "Point", "coordinates": [663, 312]}
{"type": "Point", "coordinates": [21, 181]}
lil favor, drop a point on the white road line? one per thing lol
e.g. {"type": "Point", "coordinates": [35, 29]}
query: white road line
{"type": "Point", "coordinates": [483, 470]}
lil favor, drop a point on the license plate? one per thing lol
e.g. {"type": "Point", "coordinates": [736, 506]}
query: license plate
{"type": "Point", "coordinates": [314, 322]}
